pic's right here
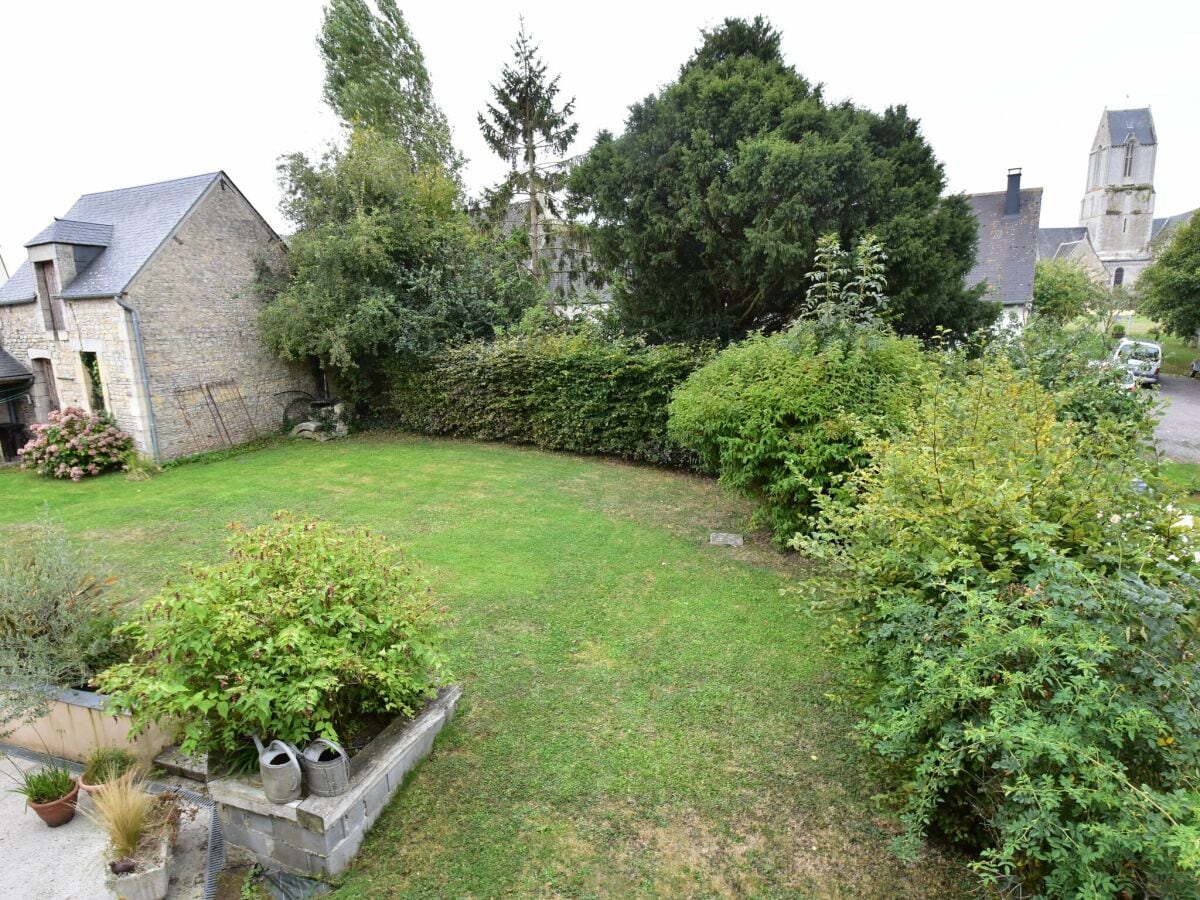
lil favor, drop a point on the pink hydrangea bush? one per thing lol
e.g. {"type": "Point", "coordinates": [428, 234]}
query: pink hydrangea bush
{"type": "Point", "coordinates": [75, 443]}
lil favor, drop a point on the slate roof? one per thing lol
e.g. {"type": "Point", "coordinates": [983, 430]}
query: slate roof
{"type": "Point", "coordinates": [1053, 241]}
{"type": "Point", "coordinates": [1167, 226]}
{"type": "Point", "coordinates": [1123, 122]}
{"type": "Point", "coordinates": [66, 231]}
{"type": "Point", "coordinates": [140, 218]}
{"type": "Point", "coordinates": [1007, 245]}
{"type": "Point", "coordinates": [10, 369]}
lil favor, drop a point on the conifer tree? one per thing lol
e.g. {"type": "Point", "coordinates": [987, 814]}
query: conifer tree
{"type": "Point", "coordinates": [526, 129]}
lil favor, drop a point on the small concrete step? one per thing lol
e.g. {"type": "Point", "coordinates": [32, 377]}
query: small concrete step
{"type": "Point", "coordinates": [193, 767]}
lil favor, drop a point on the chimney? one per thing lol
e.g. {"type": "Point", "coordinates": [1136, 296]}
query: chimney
{"type": "Point", "coordinates": [1012, 200]}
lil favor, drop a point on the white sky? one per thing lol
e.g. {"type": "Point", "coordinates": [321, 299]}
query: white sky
{"type": "Point", "coordinates": [103, 95]}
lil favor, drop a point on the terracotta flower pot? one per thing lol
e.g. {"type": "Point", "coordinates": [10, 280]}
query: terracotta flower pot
{"type": "Point", "coordinates": [57, 812]}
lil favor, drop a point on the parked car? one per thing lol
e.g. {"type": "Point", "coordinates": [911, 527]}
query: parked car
{"type": "Point", "coordinates": [1141, 359]}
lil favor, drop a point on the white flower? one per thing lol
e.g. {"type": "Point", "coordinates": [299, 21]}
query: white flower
{"type": "Point", "coordinates": [1115, 518]}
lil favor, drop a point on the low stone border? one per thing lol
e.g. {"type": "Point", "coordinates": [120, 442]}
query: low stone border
{"type": "Point", "coordinates": [321, 835]}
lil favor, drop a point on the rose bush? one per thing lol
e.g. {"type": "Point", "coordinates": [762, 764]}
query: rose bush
{"type": "Point", "coordinates": [75, 443]}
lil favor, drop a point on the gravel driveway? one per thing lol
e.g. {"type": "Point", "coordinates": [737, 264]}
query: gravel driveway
{"type": "Point", "coordinates": [1178, 433]}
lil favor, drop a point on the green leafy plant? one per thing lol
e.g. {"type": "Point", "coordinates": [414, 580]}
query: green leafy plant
{"type": "Point", "coordinates": [306, 628]}
{"type": "Point", "coordinates": [571, 391]}
{"type": "Point", "coordinates": [56, 627]}
{"type": "Point", "coordinates": [106, 764]}
{"type": "Point", "coordinates": [46, 784]}
{"type": "Point", "coordinates": [1026, 619]}
{"type": "Point", "coordinates": [785, 419]}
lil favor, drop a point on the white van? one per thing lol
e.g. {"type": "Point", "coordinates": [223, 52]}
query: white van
{"type": "Point", "coordinates": [1142, 359]}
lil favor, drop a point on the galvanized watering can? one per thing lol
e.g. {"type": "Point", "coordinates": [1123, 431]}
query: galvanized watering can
{"type": "Point", "coordinates": [327, 768]}
{"type": "Point", "coordinates": [280, 770]}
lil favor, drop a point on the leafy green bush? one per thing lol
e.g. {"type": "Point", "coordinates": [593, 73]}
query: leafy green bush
{"type": "Point", "coordinates": [560, 391]}
{"type": "Point", "coordinates": [56, 628]}
{"type": "Point", "coordinates": [1027, 619]}
{"type": "Point", "coordinates": [784, 419]}
{"type": "Point", "coordinates": [1065, 362]}
{"type": "Point", "coordinates": [305, 629]}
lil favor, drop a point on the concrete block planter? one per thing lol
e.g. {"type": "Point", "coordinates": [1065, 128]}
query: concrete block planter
{"type": "Point", "coordinates": [151, 883]}
{"type": "Point", "coordinates": [321, 835]}
{"type": "Point", "coordinates": [77, 723]}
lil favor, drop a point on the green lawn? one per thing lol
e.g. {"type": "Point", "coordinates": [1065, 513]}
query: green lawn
{"type": "Point", "coordinates": [643, 712]}
{"type": "Point", "coordinates": [1185, 477]}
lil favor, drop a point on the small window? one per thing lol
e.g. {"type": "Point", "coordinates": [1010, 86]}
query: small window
{"type": "Point", "coordinates": [1118, 277]}
{"type": "Point", "coordinates": [92, 384]}
{"type": "Point", "coordinates": [1129, 157]}
{"type": "Point", "coordinates": [1124, 225]}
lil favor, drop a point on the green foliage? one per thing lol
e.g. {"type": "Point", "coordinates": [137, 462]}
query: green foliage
{"type": "Point", "coordinates": [522, 126]}
{"type": "Point", "coordinates": [56, 629]}
{"type": "Point", "coordinates": [45, 784]}
{"type": "Point", "coordinates": [1063, 291]}
{"type": "Point", "coordinates": [847, 286]}
{"type": "Point", "coordinates": [558, 390]}
{"type": "Point", "coordinates": [306, 628]}
{"type": "Point", "coordinates": [711, 202]}
{"type": "Point", "coordinates": [385, 267]}
{"type": "Point", "coordinates": [1064, 363]}
{"type": "Point", "coordinates": [375, 78]}
{"type": "Point", "coordinates": [105, 764]}
{"type": "Point", "coordinates": [1169, 289]}
{"type": "Point", "coordinates": [1027, 619]}
{"type": "Point", "coordinates": [785, 419]}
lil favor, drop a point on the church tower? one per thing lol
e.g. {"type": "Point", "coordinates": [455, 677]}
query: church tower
{"type": "Point", "coordinates": [1118, 206]}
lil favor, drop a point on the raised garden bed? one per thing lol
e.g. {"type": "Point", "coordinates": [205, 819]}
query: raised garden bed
{"type": "Point", "coordinates": [321, 835]}
{"type": "Point", "coordinates": [78, 722]}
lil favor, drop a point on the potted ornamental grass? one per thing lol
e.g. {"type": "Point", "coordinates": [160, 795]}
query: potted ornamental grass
{"type": "Point", "coordinates": [50, 791]}
{"type": "Point", "coordinates": [104, 765]}
{"type": "Point", "coordinates": [141, 828]}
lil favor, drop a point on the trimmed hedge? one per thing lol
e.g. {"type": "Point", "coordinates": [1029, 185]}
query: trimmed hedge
{"type": "Point", "coordinates": [574, 392]}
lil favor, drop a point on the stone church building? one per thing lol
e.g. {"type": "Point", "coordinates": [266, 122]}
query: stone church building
{"type": "Point", "coordinates": [138, 302]}
{"type": "Point", "coordinates": [1117, 232]}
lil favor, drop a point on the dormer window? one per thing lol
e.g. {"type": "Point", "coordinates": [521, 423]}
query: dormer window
{"type": "Point", "coordinates": [1129, 145]}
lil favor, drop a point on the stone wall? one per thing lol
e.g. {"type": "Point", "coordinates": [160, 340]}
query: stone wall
{"type": "Point", "coordinates": [321, 835]}
{"type": "Point", "coordinates": [97, 326]}
{"type": "Point", "coordinates": [213, 382]}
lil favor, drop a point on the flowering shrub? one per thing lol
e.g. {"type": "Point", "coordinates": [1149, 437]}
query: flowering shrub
{"type": "Point", "coordinates": [75, 443]}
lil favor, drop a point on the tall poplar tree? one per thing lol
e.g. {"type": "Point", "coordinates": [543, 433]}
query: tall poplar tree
{"type": "Point", "coordinates": [375, 77]}
{"type": "Point", "coordinates": [524, 126]}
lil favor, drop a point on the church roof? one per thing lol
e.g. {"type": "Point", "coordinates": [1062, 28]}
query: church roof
{"type": "Point", "coordinates": [1008, 245]}
{"type": "Point", "coordinates": [134, 222]}
{"type": "Point", "coordinates": [1167, 226]}
{"type": "Point", "coordinates": [1124, 122]}
{"type": "Point", "coordinates": [1056, 242]}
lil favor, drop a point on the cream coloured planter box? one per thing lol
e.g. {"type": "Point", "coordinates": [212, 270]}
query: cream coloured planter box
{"type": "Point", "coordinates": [321, 835]}
{"type": "Point", "coordinates": [77, 723]}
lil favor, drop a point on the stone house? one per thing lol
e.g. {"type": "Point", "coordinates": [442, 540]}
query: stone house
{"type": "Point", "coordinates": [138, 302]}
{"type": "Point", "coordinates": [1008, 244]}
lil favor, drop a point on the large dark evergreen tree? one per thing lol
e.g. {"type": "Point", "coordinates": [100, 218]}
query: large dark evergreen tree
{"type": "Point", "coordinates": [709, 207]}
{"type": "Point", "coordinates": [526, 128]}
{"type": "Point", "coordinates": [375, 78]}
